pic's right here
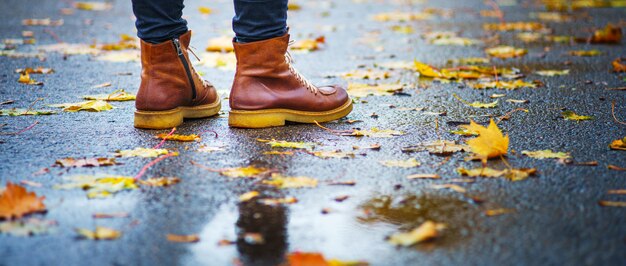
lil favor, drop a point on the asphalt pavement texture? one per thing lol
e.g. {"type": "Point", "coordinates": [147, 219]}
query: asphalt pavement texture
{"type": "Point", "coordinates": [556, 219]}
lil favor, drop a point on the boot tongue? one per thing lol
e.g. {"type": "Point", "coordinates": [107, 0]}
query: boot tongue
{"type": "Point", "coordinates": [185, 39]}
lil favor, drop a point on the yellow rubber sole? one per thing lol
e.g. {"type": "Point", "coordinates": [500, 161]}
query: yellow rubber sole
{"type": "Point", "coordinates": [174, 117]}
{"type": "Point", "coordinates": [278, 117]}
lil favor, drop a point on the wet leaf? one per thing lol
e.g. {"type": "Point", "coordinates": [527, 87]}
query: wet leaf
{"type": "Point", "coordinates": [464, 132]}
{"type": "Point", "coordinates": [333, 154]}
{"type": "Point", "coordinates": [511, 174]}
{"type": "Point", "coordinates": [427, 231]}
{"type": "Point", "coordinates": [278, 201]}
{"type": "Point", "coordinates": [90, 106]}
{"type": "Point", "coordinates": [93, 6]}
{"type": "Point", "coordinates": [618, 66]}
{"type": "Point", "coordinates": [546, 154]}
{"type": "Point", "coordinates": [16, 201]}
{"type": "Point", "coordinates": [506, 52]}
{"type": "Point", "coordinates": [287, 144]}
{"type": "Point", "coordinates": [371, 74]}
{"type": "Point", "coordinates": [514, 26]}
{"type": "Point", "coordinates": [28, 227]}
{"type": "Point", "coordinates": [118, 96]}
{"type": "Point", "coordinates": [610, 34]}
{"type": "Point", "coordinates": [424, 176]}
{"type": "Point", "coordinates": [99, 186]}
{"type": "Point", "coordinates": [459, 41]}
{"type": "Point", "coordinates": [248, 196]}
{"type": "Point", "coordinates": [439, 147]}
{"type": "Point", "coordinates": [375, 133]}
{"type": "Point", "coordinates": [497, 212]}
{"type": "Point", "coordinates": [205, 10]}
{"type": "Point", "coordinates": [453, 187]}
{"type": "Point", "coordinates": [552, 73]}
{"type": "Point", "coordinates": [220, 44]}
{"type": "Point", "coordinates": [246, 171]}
{"type": "Point", "coordinates": [100, 233]}
{"type": "Point", "coordinates": [508, 85]}
{"type": "Point", "coordinates": [490, 142]}
{"type": "Point", "coordinates": [141, 152]}
{"type": "Point", "coordinates": [87, 162]}
{"type": "Point", "coordinates": [280, 181]}
{"type": "Point", "coordinates": [308, 45]}
{"type": "Point", "coordinates": [183, 238]}
{"type": "Point", "coordinates": [159, 181]}
{"type": "Point", "coordinates": [178, 137]}
{"type": "Point", "coordinates": [26, 79]}
{"type": "Point", "coordinates": [19, 112]}
{"type": "Point", "coordinates": [410, 163]}
{"type": "Point", "coordinates": [586, 53]}
{"type": "Point", "coordinates": [210, 149]}
{"type": "Point", "coordinates": [605, 203]}
{"type": "Point", "coordinates": [363, 90]}
{"type": "Point", "coordinates": [37, 70]}
{"type": "Point", "coordinates": [569, 115]}
{"type": "Point", "coordinates": [478, 104]}
{"type": "Point", "coordinates": [618, 144]}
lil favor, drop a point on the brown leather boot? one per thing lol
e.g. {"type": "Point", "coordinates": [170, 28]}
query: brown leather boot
{"type": "Point", "coordinates": [170, 87]}
{"type": "Point", "coordinates": [267, 90]}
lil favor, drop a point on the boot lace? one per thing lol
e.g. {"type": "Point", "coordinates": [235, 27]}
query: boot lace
{"type": "Point", "coordinates": [294, 71]}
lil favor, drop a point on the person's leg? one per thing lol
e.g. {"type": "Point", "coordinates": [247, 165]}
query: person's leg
{"type": "Point", "coordinates": [159, 20]}
{"type": "Point", "coordinates": [257, 20]}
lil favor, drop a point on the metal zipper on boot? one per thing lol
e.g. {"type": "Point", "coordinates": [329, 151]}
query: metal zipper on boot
{"type": "Point", "coordinates": [186, 65]}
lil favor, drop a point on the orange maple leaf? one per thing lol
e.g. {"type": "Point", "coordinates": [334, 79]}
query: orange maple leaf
{"type": "Point", "coordinates": [15, 201]}
{"type": "Point", "coordinates": [306, 259]}
{"type": "Point", "coordinates": [490, 142]}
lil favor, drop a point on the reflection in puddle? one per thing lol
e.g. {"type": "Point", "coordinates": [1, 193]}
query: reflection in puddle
{"type": "Point", "coordinates": [261, 233]}
{"type": "Point", "coordinates": [410, 211]}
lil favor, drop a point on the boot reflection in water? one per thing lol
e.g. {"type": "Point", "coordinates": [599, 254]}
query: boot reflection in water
{"type": "Point", "coordinates": [261, 233]}
{"type": "Point", "coordinates": [267, 90]}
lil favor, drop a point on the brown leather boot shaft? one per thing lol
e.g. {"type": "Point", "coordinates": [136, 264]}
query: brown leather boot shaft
{"type": "Point", "coordinates": [265, 80]}
{"type": "Point", "coordinates": [165, 82]}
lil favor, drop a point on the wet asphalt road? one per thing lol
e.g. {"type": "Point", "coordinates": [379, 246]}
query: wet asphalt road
{"type": "Point", "coordinates": [557, 219]}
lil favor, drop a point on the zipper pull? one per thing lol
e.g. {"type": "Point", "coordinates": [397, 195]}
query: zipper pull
{"type": "Point", "coordinates": [177, 46]}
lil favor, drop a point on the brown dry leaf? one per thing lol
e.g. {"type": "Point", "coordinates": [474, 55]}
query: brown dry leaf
{"type": "Point", "coordinates": [490, 142]}
{"type": "Point", "coordinates": [159, 181]}
{"type": "Point", "coordinates": [424, 176]}
{"type": "Point", "coordinates": [605, 203]}
{"type": "Point", "coordinates": [618, 144]}
{"type": "Point", "coordinates": [363, 90]}
{"type": "Point", "coordinates": [16, 201]}
{"type": "Point", "coordinates": [177, 137]}
{"type": "Point", "coordinates": [101, 233]}
{"type": "Point", "coordinates": [87, 162]}
{"type": "Point", "coordinates": [183, 238]}
{"type": "Point", "coordinates": [506, 51]}
{"type": "Point", "coordinates": [514, 26]}
{"type": "Point", "coordinates": [427, 231]}
{"type": "Point", "coordinates": [438, 147]}
{"type": "Point", "coordinates": [497, 212]}
{"type": "Point", "coordinates": [618, 66]}
{"type": "Point", "coordinates": [220, 44]}
{"type": "Point", "coordinates": [616, 168]}
{"type": "Point", "coordinates": [616, 191]}
{"type": "Point", "coordinates": [280, 181]}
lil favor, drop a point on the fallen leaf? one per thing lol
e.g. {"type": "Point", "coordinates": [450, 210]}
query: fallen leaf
{"type": "Point", "coordinates": [26, 79]}
{"type": "Point", "coordinates": [31, 183]}
{"type": "Point", "coordinates": [506, 52]}
{"type": "Point", "coordinates": [616, 168]}
{"type": "Point", "coordinates": [288, 153]}
{"type": "Point", "coordinates": [546, 154]}
{"type": "Point", "coordinates": [205, 10]}
{"type": "Point", "coordinates": [99, 186]}
{"type": "Point", "coordinates": [109, 215]}
{"type": "Point", "coordinates": [371, 74]}
{"type": "Point", "coordinates": [220, 44]}
{"type": "Point", "coordinates": [463, 132]}
{"type": "Point", "coordinates": [16, 201]}
{"type": "Point", "coordinates": [469, 61]}
{"type": "Point", "coordinates": [93, 6]}
{"type": "Point", "coordinates": [375, 133]}
{"type": "Point", "coordinates": [453, 187]}
{"type": "Point", "coordinates": [37, 70]}
{"type": "Point", "coordinates": [210, 149]}
{"type": "Point", "coordinates": [490, 142]}
{"type": "Point", "coordinates": [333, 154]}
{"type": "Point", "coordinates": [618, 144]}
{"type": "Point", "coordinates": [141, 152]}
{"type": "Point", "coordinates": [118, 96]}
{"type": "Point", "coordinates": [41, 22]}
{"type": "Point", "coordinates": [247, 171]}
{"type": "Point", "coordinates": [404, 29]}
{"type": "Point", "coordinates": [90, 106]}
{"type": "Point", "coordinates": [569, 115]}
{"type": "Point", "coordinates": [402, 16]}
{"type": "Point", "coordinates": [19, 112]}
{"type": "Point", "coordinates": [586, 53]}
{"type": "Point", "coordinates": [88, 162]}
{"type": "Point", "coordinates": [248, 196]}
{"type": "Point", "coordinates": [28, 227]}
{"type": "Point", "coordinates": [610, 34]}
{"type": "Point", "coordinates": [497, 212]}
{"type": "Point", "coordinates": [618, 66]}
{"type": "Point", "coordinates": [102, 85]}
{"type": "Point", "coordinates": [617, 191]}
{"type": "Point", "coordinates": [308, 45]}
{"type": "Point", "coordinates": [219, 60]}
{"type": "Point", "coordinates": [280, 181]}
{"type": "Point", "coordinates": [529, 37]}
{"type": "Point", "coordinates": [552, 73]}
{"type": "Point", "coordinates": [178, 137]}
{"type": "Point", "coordinates": [438, 147]}
{"type": "Point", "coordinates": [287, 144]}
{"type": "Point", "coordinates": [477, 104]}
{"type": "Point", "coordinates": [278, 201]}
{"type": "Point", "coordinates": [410, 163]}
{"type": "Point", "coordinates": [514, 26]}
{"type": "Point", "coordinates": [183, 238]}
{"type": "Point", "coordinates": [427, 231]}
{"type": "Point", "coordinates": [424, 176]}
{"type": "Point", "coordinates": [101, 233]}
{"type": "Point", "coordinates": [511, 174]}
{"type": "Point", "coordinates": [459, 41]}
{"type": "Point", "coordinates": [362, 90]}
{"type": "Point", "coordinates": [159, 181]}
{"type": "Point", "coordinates": [605, 203]}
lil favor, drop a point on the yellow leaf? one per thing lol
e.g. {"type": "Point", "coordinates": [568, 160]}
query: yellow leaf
{"type": "Point", "coordinates": [618, 144]}
{"type": "Point", "coordinates": [569, 115]}
{"type": "Point", "coordinates": [529, 36]}
{"type": "Point", "coordinates": [428, 230]}
{"type": "Point", "coordinates": [281, 181]}
{"type": "Point", "coordinates": [160, 181]}
{"type": "Point", "coordinates": [363, 90]}
{"type": "Point", "coordinates": [86, 162]}
{"type": "Point", "coordinates": [511, 174]}
{"type": "Point", "coordinates": [220, 44]}
{"type": "Point", "coordinates": [90, 106]}
{"type": "Point", "coordinates": [205, 10]}
{"type": "Point", "coordinates": [508, 85]}
{"type": "Point", "coordinates": [546, 154]}
{"type": "Point", "coordinates": [177, 137]}
{"type": "Point", "coordinates": [454, 187]}
{"type": "Point", "coordinates": [101, 233]}
{"type": "Point", "coordinates": [287, 144]}
{"type": "Point", "coordinates": [402, 16]}
{"type": "Point", "coordinates": [247, 171]}
{"type": "Point", "coordinates": [100, 186]}
{"type": "Point", "coordinates": [403, 164]}
{"type": "Point", "coordinates": [19, 112]}
{"type": "Point", "coordinates": [470, 61]}
{"type": "Point", "coordinates": [141, 152]}
{"type": "Point", "coordinates": [496, 212]}
{"type": "Point", "coordinates": [477, 104]}
{"type": "Point", "coordinates": [93, 6]}
{"type": "Point", "coordinates": [271, 201]}
{"type": "Point", "coordinates": [506, 51]}
{"type": "Point", "coordinates": [333, 154]}
{"type": "Point", "coordinates": [586, 53]}
{"type": "Point", "coordinates": [552, 73]}
{"type": "Point", "coordinates": [183, 238]}
{"type": "Point", "coordinates": [308, 45]}
{"type": "Point", "coordinates": [26, 79]}
{"type": "Point", "coordinates": [439, 147]}
{"type": "Point", "coordinates": [248, 196]}
{"type": "Point", "coordinates": [490, 142]}
{"type": "Point", "coordinates": [426, 70]}
{"type": "Point", "coordinates": [375, 133]}
{"type": "Point", "coordinates": [118, 96]}
{"type": "Point", "coordinates": [514, 26]}
{"type": "Point", "coordinates": [370, 74]}
{"type": "Point", "coordinates": [459, 41]}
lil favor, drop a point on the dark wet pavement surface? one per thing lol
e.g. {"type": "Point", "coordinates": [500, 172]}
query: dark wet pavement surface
{"type": "Point", "coordinates": [557, 219]}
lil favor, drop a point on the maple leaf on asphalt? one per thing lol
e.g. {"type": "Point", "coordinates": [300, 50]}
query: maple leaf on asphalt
{"type": "Point", "coordinates": [490, 142]}
{"type": "Point", "coordinates": [16, 201]}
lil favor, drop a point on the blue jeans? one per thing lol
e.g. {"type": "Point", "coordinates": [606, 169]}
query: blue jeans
{"type": "Point", "coordinates": [255, 20]}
